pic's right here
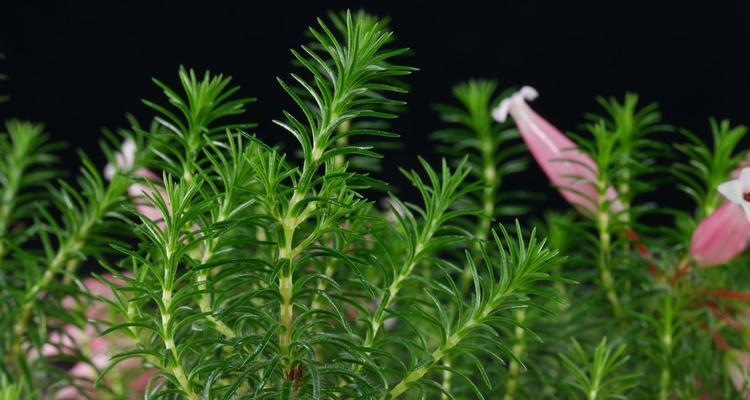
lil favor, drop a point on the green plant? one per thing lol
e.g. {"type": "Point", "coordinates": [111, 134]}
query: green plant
{"type": "Point", "coordinates": [247, 274]}
{"type": "Point", "coordinates": [600, 377]}
{"type": "Point", "coordinates": [226, 268]}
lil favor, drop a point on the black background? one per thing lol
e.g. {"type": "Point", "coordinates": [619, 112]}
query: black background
{"type": "Point", "coordinates": [81, 66]}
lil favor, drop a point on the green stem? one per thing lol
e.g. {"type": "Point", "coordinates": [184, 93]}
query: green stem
{"type": "Point", "coordinates": [289, 222]}
{"type": "Point", "coordinates": [201, 278]}
{"type": "Point", "coordinates": [287, 254]}
{"type": "Point", "coordinates": [165, 310]}
{"type": "Point", "coordinates": [479, 316]}
{"type": "Point", "coordinates": [490, 177]}
{"type": "Point", "coordinates": [6, 205]}
{"type": "Point", "coordinates": [204, 302]}
{"type": "Point", "coordinates": [667, 342]}
{"type": "Point", "coordinates": [519, 346]}
{"type": "Point", "coordinates": [339, 160]}
{"type": "Point", "coordinates": [18, 161]}
{"type": "Point", "coordinates": [62, 259]}
{"type": "Point", "coordinates": [390, 294]}
{"type": "Point", "coordinates": [316, 303]}
{"type": "Point", "coordinates": [286, 312]}
{"type": "Point", "coordinates": [169, 344]}
{"type": "Point", "coordinates": [338, 165]}
{"type": "Point", "coordinates": [447, 376]}
{"type": "Point", "coordinates": [664, 384]}
{"type": "Point", "coordinates": [605, 257]}
{"type": "Point", "coordinates": [436, 356]}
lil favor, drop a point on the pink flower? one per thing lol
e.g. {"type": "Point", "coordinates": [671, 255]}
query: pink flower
{"type": "Point", "coordinates": [724, 234]}
{"type": "Point", "coordinates": [737, 364]}
{"type": "Point", "coordinates": [99, 349]}
{"type": "Point", "coordinates": [564, 164]}
{"type": "Point", "coordinates": [721, 236]}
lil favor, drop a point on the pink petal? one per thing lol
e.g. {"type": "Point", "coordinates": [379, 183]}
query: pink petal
{"type": "Point", "coordinates": [737, 363]}
{"type": "Point", "coordinates": [138, 190]}
{"type": "Point", "coordinates": [83, 370]}
{"type": "Point", "coordinates": [148, 174]}
{"type": "Point", "coordinates": [99, 346]}
{"type": "Point", "coordinates": [56, 342]}
{"type": "Point", "coordinates": [69, 393]}
{"type": "Point", "coordinates": [139, 383]}
{"type": "Point", "coordinates": [721, 236]}
{"type": "Point", "coordinates": [97, 288]}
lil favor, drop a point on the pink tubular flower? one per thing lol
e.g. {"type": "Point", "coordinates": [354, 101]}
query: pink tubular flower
{"type": "Point", "coordinates": [737, 364]}
{"type": "Point", "coordinates": [724, 234]}
{"type": "Point", "coordinates": [564, 164]}
{"type": "Point", "coordinates": [721, 236]}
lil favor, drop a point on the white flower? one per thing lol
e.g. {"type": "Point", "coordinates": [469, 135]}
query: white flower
{"type": "Point", "coordinates": [738, 190]}
{"type": "Point", "coordinates": [125, 159]}
{"type": "Point", "coordinates": [527, 93]}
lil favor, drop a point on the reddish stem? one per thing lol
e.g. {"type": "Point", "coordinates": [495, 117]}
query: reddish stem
{"type": "Point", "coordinates": [723, 345]}
{"type": "Point", "coordinates": [728, 294]}
{"type": "Point", "coordinates": [720, 341]}
{"type": "Point", "coordinates": [641, 248]}
{"type": "Point", "coordinates": [682, 269]}
{"type": "Point", "coordinates": [294, 375]}
{"type": "Point", "coordinates": [718, 313]}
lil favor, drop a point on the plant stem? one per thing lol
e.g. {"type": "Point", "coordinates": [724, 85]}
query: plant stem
{"type": "Point", "coordinates": [7, 203]}
{"type": "Point", "coordinates": [518, 348]}
{"type": "Point", "coordinates": [447, 375]}
{"type": "Point", "coordinates": [316, 304]}
{"type": "Point", "coordinates": [286, 312]}
{"type": "Point", "coordinates": [488, 193]}
{"type": "Point", "coordinates": [169, 344]}
{"type": "Point", "coordinates": [204, 302]}
{"type": "Point", "coordinates": [664, 384]}
{"type": "Point", "coordinates": [339, 160]}
{"type": "Point", "coordinates": [18, 161]}
{"type": "Point", "coordinates": [390, 294]}
{"type": "Point", "coordinates": [62, 258]}
{"type": "Point", "coordinates": [201, 279]}
{"type": "Point", "coordinates": [289, 223]}
{"type": "Point", "coordinates": [171, 264]}
{"type": "Point", "coordinates": [478, 317]}
{"type": "Point", "coordinates": [491, 180]}
{"type": "Point", "coordinates": [667, 343]}
{"type": "Point", "coordinates": [338, 165]}
{"type": "Point", "coordinates": [436, 356]}
{"type": "Point", "coordinates": [605, 256]}
{"type": "Point", "coordinates": [286, 254]}
{"type": "Point", "coordinates": [488, 201]}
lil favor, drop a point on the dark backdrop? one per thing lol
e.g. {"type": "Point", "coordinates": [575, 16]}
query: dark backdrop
{"type": "Point", "coordinates": [80, 66]}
